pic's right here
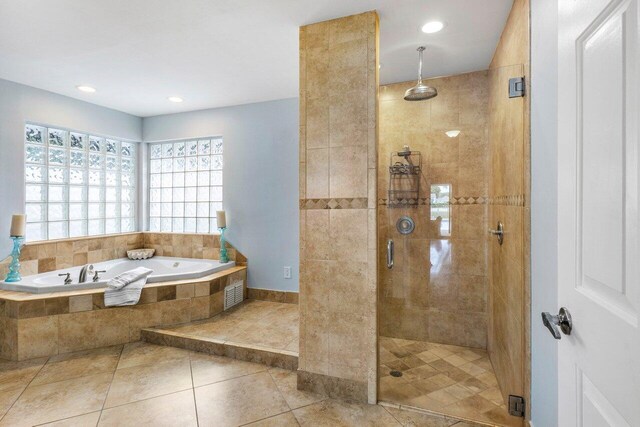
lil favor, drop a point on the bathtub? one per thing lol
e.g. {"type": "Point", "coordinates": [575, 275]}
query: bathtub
{"type": "Point", "coordinates": [164, 269]}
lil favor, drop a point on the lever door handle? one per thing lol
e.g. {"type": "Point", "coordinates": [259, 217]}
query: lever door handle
{"type": "Point", "coordinates": [390, 254]}
{"type": "Point", "coordinates": [562, 319]}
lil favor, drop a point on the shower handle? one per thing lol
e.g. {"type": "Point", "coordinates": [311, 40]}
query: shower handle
{"type": "Point", "coordinates": [390, 253]}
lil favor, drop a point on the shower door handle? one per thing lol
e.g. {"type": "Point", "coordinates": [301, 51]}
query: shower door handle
{"type": "Point", "coordinates": [390, 254]}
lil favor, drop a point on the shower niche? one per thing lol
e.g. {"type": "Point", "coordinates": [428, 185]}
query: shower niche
{"type": "Point", "coordinates": [405, 170]}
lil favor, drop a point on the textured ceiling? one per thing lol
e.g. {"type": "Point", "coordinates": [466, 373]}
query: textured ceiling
{"type": "Point", "coordinates": [217, 53]}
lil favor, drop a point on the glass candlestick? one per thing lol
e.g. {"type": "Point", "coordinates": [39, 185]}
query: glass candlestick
{"type": "Point", "coordinates": [224, 258]}
{"type": "Point", "coordinates": [14, 267]}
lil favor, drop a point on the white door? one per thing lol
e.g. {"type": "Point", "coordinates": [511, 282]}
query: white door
{"type": "Point", "coordinates": [598, 236]}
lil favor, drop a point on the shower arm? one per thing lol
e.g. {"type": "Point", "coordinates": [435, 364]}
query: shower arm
{"type": "Point", "coordinates": [420, 50]}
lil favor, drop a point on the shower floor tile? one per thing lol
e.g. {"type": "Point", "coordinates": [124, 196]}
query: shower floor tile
{"type": "Point", "coordinates": [447, 379]}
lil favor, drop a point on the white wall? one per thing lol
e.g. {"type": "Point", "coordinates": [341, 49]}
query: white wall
{"type": "Point", "coordinates": [544, 210]}
{"type": "Point", "coordinates": [260, 180]}
{"type": "Point", "coordinates": [19, 104]}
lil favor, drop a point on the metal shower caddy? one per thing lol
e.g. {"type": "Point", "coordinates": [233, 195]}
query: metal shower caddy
{"type": "Point", "coordinates": [405, 168]}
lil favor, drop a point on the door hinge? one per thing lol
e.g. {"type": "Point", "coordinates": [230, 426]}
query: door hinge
{"type": "Point", "coordinates": [516, 405]}
{"type": "Point", "coordinates": [516, 87]}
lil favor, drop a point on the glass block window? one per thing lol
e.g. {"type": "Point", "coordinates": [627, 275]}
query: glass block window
{"type": "Point", "coordinates": [78, 184]}
{"type": "Point", "coordinates": [185, 185]}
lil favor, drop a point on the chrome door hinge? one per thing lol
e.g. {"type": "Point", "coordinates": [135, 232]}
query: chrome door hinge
{"type": "Point", "coordinates": [516, 405]}
{"type": "Point", "coordinates": [516, 87]}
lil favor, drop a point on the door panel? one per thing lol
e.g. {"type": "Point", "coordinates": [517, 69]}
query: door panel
{"type": "Point", "coordinates": [598, 212]}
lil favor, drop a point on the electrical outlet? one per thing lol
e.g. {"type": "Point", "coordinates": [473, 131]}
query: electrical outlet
{"type": "Point", "coordinates": [287, 272]}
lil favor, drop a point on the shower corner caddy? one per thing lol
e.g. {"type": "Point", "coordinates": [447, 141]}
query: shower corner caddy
{"type": "Point", "coordinates": [405, 168]}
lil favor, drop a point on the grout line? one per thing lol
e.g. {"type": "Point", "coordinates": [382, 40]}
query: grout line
{"type": "Point", "coordinates": [25, 388]}
{"type": "Point", "coordinates": [106, 396]}
{"type": "Point", "coordinates": [392, 416]}
{"type": "Point", "coordinates": [269, 417]}
{"type": "Point", "coordinates": [68, 418]}
{"type": "Point", "coordinates": [193, 390]}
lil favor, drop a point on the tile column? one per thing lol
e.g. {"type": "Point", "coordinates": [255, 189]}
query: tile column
{"type": "Point", "coordinates": [338, 158]}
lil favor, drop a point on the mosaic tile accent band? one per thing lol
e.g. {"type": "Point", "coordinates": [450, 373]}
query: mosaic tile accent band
{"type": "Point", "coordinates": [512, 200]}
{"type": "Point", "coordinates": [425, 201]}
{"type": "Point", "coordinates": [345, 203]}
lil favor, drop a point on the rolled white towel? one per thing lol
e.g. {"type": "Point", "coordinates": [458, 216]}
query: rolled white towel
{"type": "Point", "coordinates": [126, 288]}
{"type": "Point", "coordinates": [122, 280]}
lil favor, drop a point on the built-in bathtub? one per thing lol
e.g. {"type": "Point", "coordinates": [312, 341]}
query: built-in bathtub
{"type": "Point", "coordinates": [164, 269]}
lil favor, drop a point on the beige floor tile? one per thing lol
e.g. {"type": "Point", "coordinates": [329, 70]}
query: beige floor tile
{"type": "Point", "coordinates": [56, 401]}
{"type": "Point", "coordinates": [86, 420]}
{"type": "Point", "coordinates": [177, 409]}
{"type": "Point", "coordinates": [78, 364]}
{"type": "Point", "coordinates": [141, 353]}
{"type": "Point", "coordinates": [283, 420]}
{"type": "Point", "coordinates": [8, 398]}
{"type": "Point", "coordinates": [239, 401]}
{"type": "Point", "coordinates": [287, 383]}
{"type": "Point", "coordinates": [336, 413]}
{"type": "Point", "coordinates": [207, 369]}
{"type": "Point", "coordinates": [146, 381]}
{"type": "Point", "coordinates": [15, 374]}
{"type": "Point", "coordinates": [397, 390]}
{"type": "Point", "coordinates": [471, 407]}
{"type": "Point", "coordinates": [418, 419]}
{"type": "Point", "coordinates": [501, 417]}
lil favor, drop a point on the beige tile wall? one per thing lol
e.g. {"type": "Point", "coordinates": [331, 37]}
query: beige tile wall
{"type": "Point", "coordinates": [509, 191]}
{"type": "Point", "coordinates": [338, 136]}
{"type": "Point", "coordinates": [437, 289]}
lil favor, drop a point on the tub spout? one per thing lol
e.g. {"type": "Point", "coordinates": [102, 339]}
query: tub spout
{"type": "Point", "coordinates": [83, 272]}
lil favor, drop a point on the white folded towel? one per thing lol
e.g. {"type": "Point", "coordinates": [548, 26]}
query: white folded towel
{"type": "Point", "coordinates": [125, 289]}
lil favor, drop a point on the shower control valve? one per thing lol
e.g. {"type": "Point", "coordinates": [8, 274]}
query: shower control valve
{"type": "Point", "coordinates": [96, 273]}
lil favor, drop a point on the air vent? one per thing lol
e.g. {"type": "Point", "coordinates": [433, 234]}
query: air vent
{"type": "Point", "coordinates": [233, 294]}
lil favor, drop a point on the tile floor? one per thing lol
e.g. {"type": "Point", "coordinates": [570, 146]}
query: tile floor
{"type": "Point", "coordinates": [448, 379]}
{"type": "Point", "coordinates": [143, 384]}
{"type": "Point", "coordinates": [268, 324]}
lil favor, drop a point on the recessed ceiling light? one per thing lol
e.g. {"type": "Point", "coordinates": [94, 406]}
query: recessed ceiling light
{"type": "Point", "coordinates": [175, 99]}
{"type": "Point", "coordinates": [432, 27]}
{"type": "Point", "coordinates": [452, 133]}
{"type": "Point", "coordinates": [85, 88]}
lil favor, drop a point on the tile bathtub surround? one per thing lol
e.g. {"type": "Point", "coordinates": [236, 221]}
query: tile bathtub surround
{"type": "Point", "coordinates": [437, 290]}
{"type": "Point", "coordinates": [509, 186]}
{"type": "Point", "coordinates": [144, 384]}
{"type": "Point", "coordinates": [41, 257]}
{"type": "Point", "coordinates": [338, 161]}
{"type": "Point", "coordinates": [33, 325]}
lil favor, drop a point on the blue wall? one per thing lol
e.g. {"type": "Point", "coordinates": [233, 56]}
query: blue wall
{"type": "Point", "coordinates": [260, 180]}
{"type": "Point", "coordinates": [544, 210]}
{"type": "Point", "coordinates": [20, 104]}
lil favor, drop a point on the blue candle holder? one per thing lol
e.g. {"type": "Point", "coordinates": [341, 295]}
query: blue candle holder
{"type": "Point", "coordinates": [224, 258]}
{"type": "Point", "coordinates": [14, 267]}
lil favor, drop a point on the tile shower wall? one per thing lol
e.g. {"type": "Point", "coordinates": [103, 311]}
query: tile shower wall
{"type": "Point", "coordinates": [437, 289]}
{"type": "Point", "coordinates": [338, 135]}
{"type": "Point", "coordinates": [509, 193]}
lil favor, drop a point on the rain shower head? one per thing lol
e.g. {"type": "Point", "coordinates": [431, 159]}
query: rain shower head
{"type": "Point", "coordinates": [420, 91]}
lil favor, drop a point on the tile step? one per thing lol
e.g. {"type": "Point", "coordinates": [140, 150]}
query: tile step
{"type": "Point", "coordinates": [242, 351]}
